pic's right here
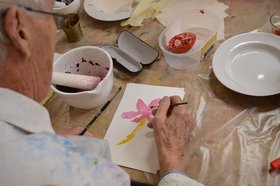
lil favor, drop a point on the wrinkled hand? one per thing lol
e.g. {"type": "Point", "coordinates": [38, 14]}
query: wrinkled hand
{"type": "Point", "coordinates": [73, 131]}
{"type": "Point", "coordinates": [172, 127]}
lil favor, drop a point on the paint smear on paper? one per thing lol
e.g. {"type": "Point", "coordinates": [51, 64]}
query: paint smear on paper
{"type": "Point", "coordinates": [133, 133]}
{"type": "Point", "coordinates": [143, 114]}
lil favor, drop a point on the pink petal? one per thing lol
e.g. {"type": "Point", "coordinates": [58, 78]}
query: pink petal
{"type": "Point", "coordinates": [155, 102]}
{"type": "Point", "coordinates": [129, 115]}
{"type": "Point", "coordinates": [136, 120]}
{"type": "Point", "coordinates": [141, 106]}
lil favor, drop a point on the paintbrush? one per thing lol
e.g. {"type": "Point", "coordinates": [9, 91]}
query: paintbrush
{"type": "Point", "coordinates": [100, 111]}
{"type": "Point", "coordinates": [172, 105]}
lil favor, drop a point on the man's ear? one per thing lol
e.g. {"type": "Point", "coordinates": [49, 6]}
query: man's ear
{"type": "Point", "coordinates": [15, 30]}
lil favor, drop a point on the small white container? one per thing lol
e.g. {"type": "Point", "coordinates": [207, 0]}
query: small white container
{"type": "Point", "coordinates": [71, 8]}
{"type": "Point", "coordinates": [90, 61]}
{"type": "Point", "coordinates": [204, 24]}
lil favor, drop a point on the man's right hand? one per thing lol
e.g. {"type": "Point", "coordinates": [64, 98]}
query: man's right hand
{"type": "Point", "coordinates": [172, 128]}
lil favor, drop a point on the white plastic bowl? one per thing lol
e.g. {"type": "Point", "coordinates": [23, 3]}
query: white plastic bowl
{"type": "Point", "coordinates": [205, 26]}
{"type": "Point", "coordinates": [86, 60]}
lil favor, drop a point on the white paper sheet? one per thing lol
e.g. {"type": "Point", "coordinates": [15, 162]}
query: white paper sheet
{"type": "Point", "coordinates": [140, 152]}
{"type": "Point", "coordinates": [177, 7]}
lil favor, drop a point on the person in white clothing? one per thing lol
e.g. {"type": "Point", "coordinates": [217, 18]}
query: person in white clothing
{"type": "Point", "coordinates": [31, 152]}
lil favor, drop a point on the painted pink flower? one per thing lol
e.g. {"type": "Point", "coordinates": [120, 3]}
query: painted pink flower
{"type": "Point", "coordinates": [143, 111]}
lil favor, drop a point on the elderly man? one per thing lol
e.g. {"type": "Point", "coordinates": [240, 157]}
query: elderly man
{"type": "Point", "coordinates": [30, 151]}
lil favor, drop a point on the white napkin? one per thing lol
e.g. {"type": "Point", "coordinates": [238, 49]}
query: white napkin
{"type": "Point", "coordinates": [144, 10]}
{"type": "Point", "coordinates": [176, 7]}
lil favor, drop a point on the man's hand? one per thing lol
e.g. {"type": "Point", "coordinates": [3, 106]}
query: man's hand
{"type": "Point", "coordinates": [172, 127]}
{"type": "Point", "coordinates": [73, 131]}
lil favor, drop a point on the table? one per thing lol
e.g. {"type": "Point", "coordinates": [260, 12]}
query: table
{"type": "Point", "coordinates": [235, 135]}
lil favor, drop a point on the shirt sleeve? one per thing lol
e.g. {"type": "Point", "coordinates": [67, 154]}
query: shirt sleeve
{"type": "Point", "coordinates": [174, 178]}
{"type": "Point", "coordinates": [49, 159]}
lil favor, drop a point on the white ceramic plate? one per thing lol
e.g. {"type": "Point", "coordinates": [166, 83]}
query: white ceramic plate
{"type": "Point", "coordinates": [100, 15]}
{"type": "Point", "coordinates": [249, 64]}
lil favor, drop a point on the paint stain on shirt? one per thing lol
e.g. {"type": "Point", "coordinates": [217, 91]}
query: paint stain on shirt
{"type": "Point", "coordinates": [95, 161]}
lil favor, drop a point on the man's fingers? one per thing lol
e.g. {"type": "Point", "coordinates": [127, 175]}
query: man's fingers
{"type": "Point", "coordinates": [163, 107]}
{"type": "Point", "coordinates": [150, 125]}
{"type": "Point", "coordinates": [174, 100]}
{"type": "Point", "coordinates": [161, 114]}
{"type": "Point", "coordinates": [73, 131]}
{"type": "Point", "coordinates": [78, 130]}
{"type": "Point", "coordinates": [154, 111]}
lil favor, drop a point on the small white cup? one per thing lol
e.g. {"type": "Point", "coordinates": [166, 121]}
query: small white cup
{"type": "Point", "coordinates": [90, 61]}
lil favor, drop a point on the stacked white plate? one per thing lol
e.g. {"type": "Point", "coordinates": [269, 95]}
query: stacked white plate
{"type": "Point", "coordinates": [98, 14]}
{"type": "Point", "coordinates": [249, 64]}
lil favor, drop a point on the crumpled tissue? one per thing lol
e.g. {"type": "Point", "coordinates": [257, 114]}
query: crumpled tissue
{"type": "Point", "coordinates": [146, 9]}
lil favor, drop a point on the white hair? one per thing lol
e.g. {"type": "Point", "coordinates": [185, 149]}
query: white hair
{"type": "Point", "coordinates": [4, 4]}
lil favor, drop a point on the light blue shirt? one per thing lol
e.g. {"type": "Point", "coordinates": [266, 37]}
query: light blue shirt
{"type": "Point", "coordinates": [32, 154]}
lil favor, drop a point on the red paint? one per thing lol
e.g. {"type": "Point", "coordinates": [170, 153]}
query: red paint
{"type": "Point", "coordinates": [182, 42]}
{"type": "Point", "coordinates": [67, 89]}
{"type": "Point", "coordinates": [275, 164]}
{"type": "Point", "coordinates": [277, 32]}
